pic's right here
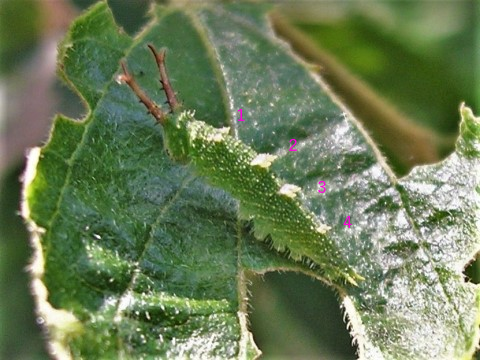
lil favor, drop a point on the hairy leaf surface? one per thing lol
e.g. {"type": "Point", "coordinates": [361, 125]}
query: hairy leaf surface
{"type": "Point", "coordinates": [137, 256]}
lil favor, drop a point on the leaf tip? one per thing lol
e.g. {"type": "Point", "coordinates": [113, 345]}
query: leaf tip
{"type": "Point", "coordinates": [467, 112]}
{"type": "Point", "coordinates": [469, 141]}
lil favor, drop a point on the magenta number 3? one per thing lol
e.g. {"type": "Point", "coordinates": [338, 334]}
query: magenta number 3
{"type": "Point", "coordinates": [240, 115]}
{"type": "Point", "coordinates": [322, 186]}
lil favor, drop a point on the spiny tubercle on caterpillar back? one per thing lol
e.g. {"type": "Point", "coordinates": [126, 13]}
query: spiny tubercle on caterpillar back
{"type": "Point", "coordinates": [233, 166]}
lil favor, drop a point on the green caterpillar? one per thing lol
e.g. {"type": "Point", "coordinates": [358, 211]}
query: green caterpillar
{"type": "Point", "coordinates": [231, 165]}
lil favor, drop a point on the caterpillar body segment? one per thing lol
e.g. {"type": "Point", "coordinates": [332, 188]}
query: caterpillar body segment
{"type": "Point", "coordinates": [233, 166]}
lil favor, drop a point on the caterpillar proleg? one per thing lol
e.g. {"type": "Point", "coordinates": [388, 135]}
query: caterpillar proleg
{"type": "Point", "coordinates": [233, 166]}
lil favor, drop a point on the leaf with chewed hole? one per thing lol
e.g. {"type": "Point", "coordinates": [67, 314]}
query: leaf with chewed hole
{"type": "Point", "coordinates": [136, 256]}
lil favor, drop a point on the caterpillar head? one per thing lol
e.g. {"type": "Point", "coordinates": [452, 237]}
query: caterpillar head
{"type": "Point", "coordinates": [176, 136]}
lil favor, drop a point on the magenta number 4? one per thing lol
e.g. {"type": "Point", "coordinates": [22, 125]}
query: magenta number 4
{"type": "Point", "coordinates": [240, 115]}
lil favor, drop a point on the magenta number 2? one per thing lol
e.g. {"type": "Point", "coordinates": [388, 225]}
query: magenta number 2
{"type": "Point", "coordinates": [292, 147]}
{"type": "Point", "coordinates": [240, 115]}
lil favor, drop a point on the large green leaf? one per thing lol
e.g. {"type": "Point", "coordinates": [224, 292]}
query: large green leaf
{"type": "Point", "coordinates": [138, 257]}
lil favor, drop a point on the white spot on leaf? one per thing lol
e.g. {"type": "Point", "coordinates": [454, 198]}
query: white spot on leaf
{"type": "Point", "coordinates": [217, 137]}
{"type": "Point", "coordinates": [263, 160]}
{"type": "Point", "coordinates": [323, 228]}
{"type": "Point", "coordinates": [289, 190]}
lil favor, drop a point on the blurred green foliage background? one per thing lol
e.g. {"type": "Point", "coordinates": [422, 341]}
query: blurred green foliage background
{"type": "Point", "coordinates": [422, 57]}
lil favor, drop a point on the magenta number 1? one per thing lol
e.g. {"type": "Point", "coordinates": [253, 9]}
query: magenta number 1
{"type": "Point", "coordinates": [240, 115]}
